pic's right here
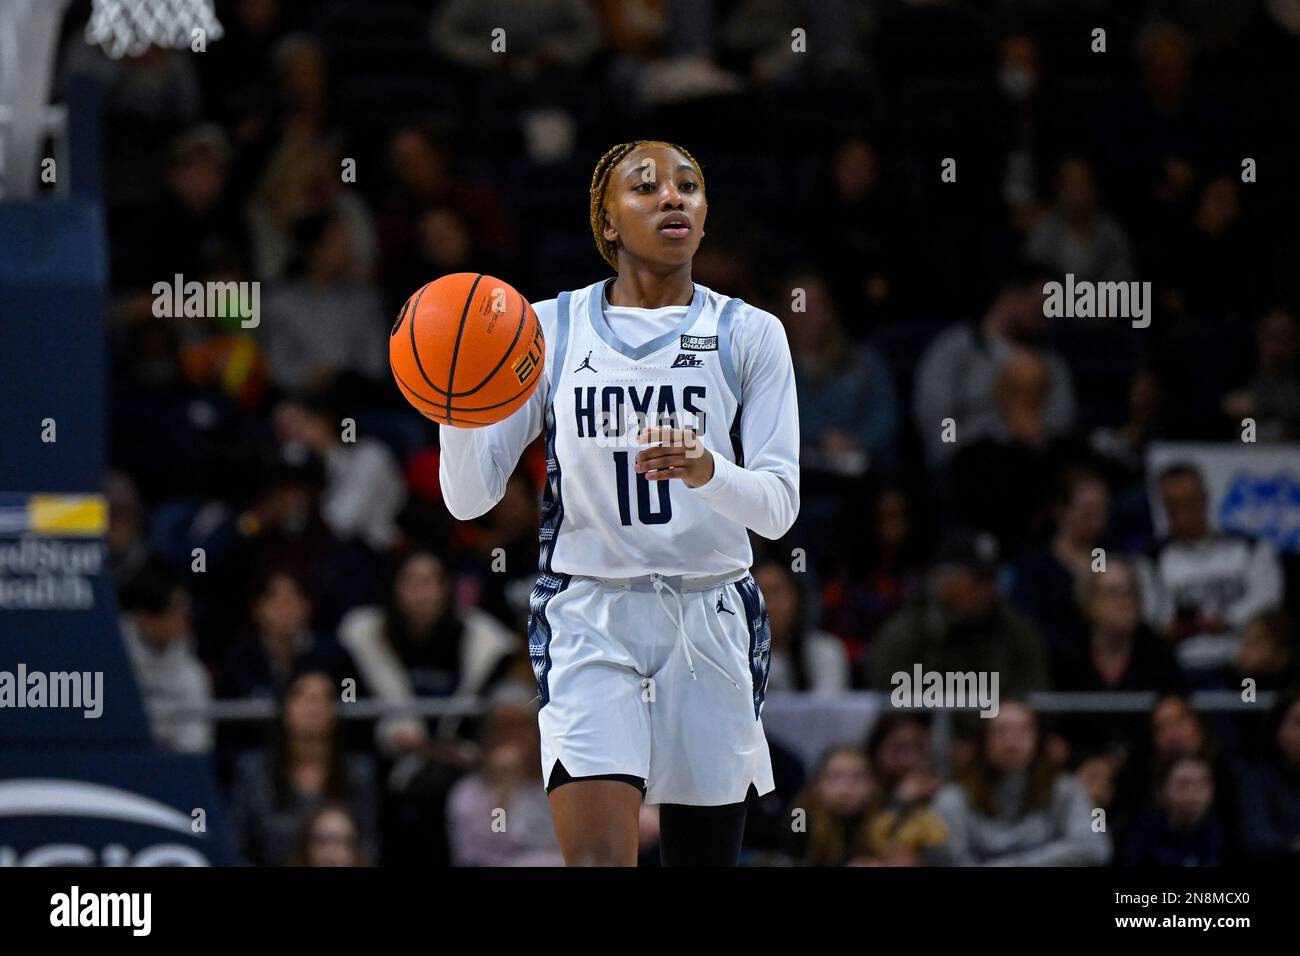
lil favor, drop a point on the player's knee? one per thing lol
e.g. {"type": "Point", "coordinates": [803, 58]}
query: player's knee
{"type": "Point", "coordinates": [602, 852]}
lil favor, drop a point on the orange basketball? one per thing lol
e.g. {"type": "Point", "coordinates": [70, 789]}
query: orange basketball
{"type": "Point", "coordinates": [466, 350]}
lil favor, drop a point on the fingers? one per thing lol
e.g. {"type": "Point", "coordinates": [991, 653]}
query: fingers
{"type": "Point", "coordinates": [673, 442]}
{"type": "Point", "coordinates": [672, 465]}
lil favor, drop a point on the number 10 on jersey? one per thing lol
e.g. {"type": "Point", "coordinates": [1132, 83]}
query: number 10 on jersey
{"type": "Point", "coordinates": [623, 471]}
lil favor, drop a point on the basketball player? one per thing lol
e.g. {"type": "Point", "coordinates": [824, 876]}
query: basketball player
{"type": "Point", "coordinates": [671, 427]}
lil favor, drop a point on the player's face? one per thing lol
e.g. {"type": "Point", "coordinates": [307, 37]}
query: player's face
{"type": "Point", "coordinates": [655, 207]}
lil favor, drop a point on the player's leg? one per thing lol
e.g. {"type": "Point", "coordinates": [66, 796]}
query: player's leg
{"type": "Point", "coordinates": [595, 729]}
{"type": "Point", "coordinates": [701, 836]}
{"type": "Point", "coordinates": [596, 817]}
{"type": "Point", "coordinates": [709, 749]}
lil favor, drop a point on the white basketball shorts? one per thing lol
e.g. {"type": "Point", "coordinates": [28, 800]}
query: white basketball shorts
{"type": "Point", "coordinates": [625, 690]}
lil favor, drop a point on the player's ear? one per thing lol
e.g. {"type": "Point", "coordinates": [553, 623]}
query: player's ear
{"type": "Point", "coordinates": [609, 232]}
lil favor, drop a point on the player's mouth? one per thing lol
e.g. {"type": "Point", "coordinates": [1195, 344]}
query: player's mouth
{"type": "Point", "coordinates": [675, 226]}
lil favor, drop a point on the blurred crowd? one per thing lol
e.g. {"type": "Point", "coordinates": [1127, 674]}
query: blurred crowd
{"type": "Point", "coordinates": [277, 531]}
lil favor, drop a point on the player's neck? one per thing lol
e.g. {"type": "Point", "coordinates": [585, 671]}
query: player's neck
{"type": "Point", "coordinates": [639, 288]}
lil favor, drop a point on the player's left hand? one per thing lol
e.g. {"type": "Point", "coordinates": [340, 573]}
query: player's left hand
{"type": "Point", "coordinates": [680, 455]}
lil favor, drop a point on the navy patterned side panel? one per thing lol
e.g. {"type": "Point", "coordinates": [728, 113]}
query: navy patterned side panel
{"type": "Point", "coordinates": [548, 583]}
{"type": "Point", "coordinates": [539, 629]}
{"type": "Point", "coordinates": [760, 637]}
{"type": "Point", "coordinates": [552, 503]}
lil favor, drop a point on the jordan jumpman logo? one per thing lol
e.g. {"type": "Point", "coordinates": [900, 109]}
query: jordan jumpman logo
{"type": "Point", "coordinates": [586, 363]}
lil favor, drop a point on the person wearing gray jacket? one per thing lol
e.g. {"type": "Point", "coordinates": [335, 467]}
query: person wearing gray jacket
{"type": "Point", "coordinates": [1014, 808]}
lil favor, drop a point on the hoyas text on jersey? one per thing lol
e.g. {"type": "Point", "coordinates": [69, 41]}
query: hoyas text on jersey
{"type": "Point", "coordinates": [615, 407]}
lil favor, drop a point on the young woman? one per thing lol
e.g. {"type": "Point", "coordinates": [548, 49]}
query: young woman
{"type": "Point", "coordinates": [671, 431]}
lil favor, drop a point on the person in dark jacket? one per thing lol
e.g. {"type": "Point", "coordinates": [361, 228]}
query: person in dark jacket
{"type": "Point", "coordinates": [964, 625]}
{"type": "Point", "coordinates": [1269, 798]}
{"type": "Point", "coordinates": [306, 766]}
{"type": "Point", "coordinates": [1119, 653]}
{"type": "Point", "coordinates": [1184, 828]}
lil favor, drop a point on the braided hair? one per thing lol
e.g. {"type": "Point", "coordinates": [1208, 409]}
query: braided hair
{"type": "Point", "coordinates": [600, 182]}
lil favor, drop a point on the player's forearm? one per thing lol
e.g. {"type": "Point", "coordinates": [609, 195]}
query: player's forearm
{"type": "Point", "coordinates": [472, 478]}
{"type": "Point", "coordinates": [766, 501]}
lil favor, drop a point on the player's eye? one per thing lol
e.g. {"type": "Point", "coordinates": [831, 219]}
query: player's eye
{"type": "Point", "coordinates": [689, 186]}
{"type": "Point", "coordinates": [645, 187]}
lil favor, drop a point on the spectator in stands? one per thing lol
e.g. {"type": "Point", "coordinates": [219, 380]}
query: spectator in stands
{"type": "Point", "coordinates": [1046, 582]}
{"type": "Point", "coordinates": [804, 658]}
{"type": "Point", "coordinates": [958, 373]}
{"type": "Point", "coordinates": [421, 645]}
{"type": "Point", "coordinates": [1268, 652]}
{"type": "Point", "coordinates": [877, 566]}
{"type": "Point", "coordinates": [1120, 452]}
{"type": "Point", "coordinates": [904, 829]}
{"type": "Point", "coordinates": [156, 632]}
{"type": "Point", "coordinates": [305, 766]}
{"type": "Point", "coordinates": [664, 52]}
{"type": "Point", "coordinates": [363, 486]}
{"type": "Point", "coordinates": [1023, 128]}
{"type": "Point", "coordinates": [1098, 774]}
{"type": "Point", "coordinates": [238, 78]}
{"type": "Point", "coordinates": [1201, 587]}
{"type": "Point", "coordinates": [1002, 480]}
{"type": "Point", "coordinates": [1015, 808]}
{"type": "Point", "coordinates": [543, 35]}
{"type": "Point", "coordinates": [761, 30]}
{"type": "Point", "coordinates": [1077, 237]}
{"type": "Point", "coordinates": [962, 625]}
{"type": "Point", "coordinates": [854, 221]}
{"type": "Point", "coordinates": [320, 325]}
{"type": "Point", "coordinates": [1179, 731]}
{"type": "Point", "coordinates": [1118, 653]}
{"type": "Point", "coordinates": [1210, 260]}
{"type": "Point", "coordinates": [848, 409]}
{"type": "Point", "coordinates": [328, 836]}
{"type": "Point", "coordinates": [127, 542]}
{"type": "Point", "coordinates": [299, 170]}
{"type": "Point", "coordinates": [191, 223]}
{"type": "Point", "coordinates": [282, 529]}
{"type": "Point", "coordinates": [1163, 117]}
{"type": "Point", "coordinates": [499, 816]}
{"type": "Point", "coordinates": [441, 245]}
{"type": "Point", "coordinates": [424, 181]}
{"type": "Point", "coordinates": [1183, 828]}
{"type": "Point", "coordinates": [1269, 797]}
{"type": "Point", "coordinates": [148, 99]}
{"type": "Point", "coordinates": [282, 643]}
{"type": "Point", "coordinates": [834, 811]}
{"type": "Point", "coordinates": [1175, 731]}
{"type": "Point", "coordinates": [1272, 396]}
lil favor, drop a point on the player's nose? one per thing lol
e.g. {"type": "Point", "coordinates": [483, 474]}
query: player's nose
{"type": "Point", "coordinates": [672, 199]}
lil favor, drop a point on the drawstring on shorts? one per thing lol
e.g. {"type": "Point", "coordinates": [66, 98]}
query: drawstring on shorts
{"type": "Point", "coordinates": [673, 607]}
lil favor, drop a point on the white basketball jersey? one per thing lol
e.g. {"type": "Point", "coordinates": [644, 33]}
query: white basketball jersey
{"type": "Point", "coordinates": [599, 516]}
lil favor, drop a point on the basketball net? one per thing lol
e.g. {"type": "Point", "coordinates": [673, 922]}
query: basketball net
{"type": "Point", "coordinates": [129, 27]}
